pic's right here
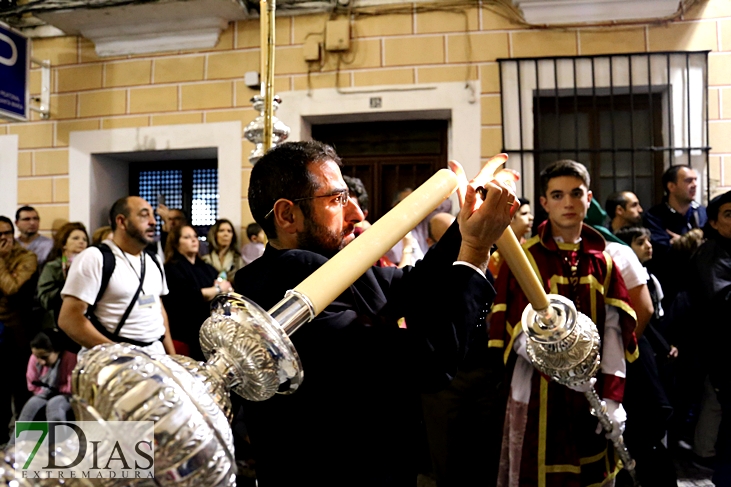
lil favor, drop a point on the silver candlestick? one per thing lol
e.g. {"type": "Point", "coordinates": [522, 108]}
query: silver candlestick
{"type": "Point", "coordinates": [254, 131]}
{"type": "Point", "coordinates": [564, 345]}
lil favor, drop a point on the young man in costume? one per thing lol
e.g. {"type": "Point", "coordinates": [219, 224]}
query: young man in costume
{"type": "Point", "coordinates": [549, 434]}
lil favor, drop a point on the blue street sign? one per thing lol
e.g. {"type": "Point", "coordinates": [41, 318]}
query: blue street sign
{"type": "Point", "coordinates": [14, 69]}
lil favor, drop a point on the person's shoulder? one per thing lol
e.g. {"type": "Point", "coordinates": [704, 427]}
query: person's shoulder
{"type": "Point", "coordinates": [45, 240]}
{"type": "Point", "coordinates": [89, 256]}
{"type": "Point", "coordinates": [292, 263]}
{"type": "Point", "coordinates": [656, 211]}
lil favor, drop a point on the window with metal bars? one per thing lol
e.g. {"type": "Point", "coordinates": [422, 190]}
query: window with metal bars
{"type": "Point", "coordinates": [626, 117]}
{"type": "Point", "coordinates": [191, 186]}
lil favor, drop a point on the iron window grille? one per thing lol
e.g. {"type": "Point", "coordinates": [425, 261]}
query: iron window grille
{"type": "Point", "coordinates": [627, 117]}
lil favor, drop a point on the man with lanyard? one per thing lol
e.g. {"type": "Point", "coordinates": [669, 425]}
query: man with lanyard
{"type": "Point", "coordinates": [130, 309]}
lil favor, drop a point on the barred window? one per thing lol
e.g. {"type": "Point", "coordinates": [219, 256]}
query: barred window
{"type": "Point", "coordinates": [190, 185]}
{"type": "Point", "coordinates": [626, 117]}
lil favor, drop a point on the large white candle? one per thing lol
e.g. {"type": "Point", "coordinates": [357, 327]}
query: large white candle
{"type": "Point", "coordinates": [513, 253]}
{"type": "Point", "coordinates": [330, 280]}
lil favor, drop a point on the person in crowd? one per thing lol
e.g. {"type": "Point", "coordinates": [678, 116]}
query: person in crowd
{"type": "Point", "coordinates": [49, 379]}
{"type": "Point", "coordinates": [358, 191]}
{"type": "Point", "coordinates": [364, 434]}
{"type": "Point", "coordinates": [28, 222]}
{"type": "Point", "coordinates": [171, 218]}
{"type": "Point", "coordinates": [17, 268]}
{"type": "Point", "coordinates": [224, 254]}
{"type": "Point", "coordinates": [192, 284]}
{"type": "Point", "coordinates": [623, 209]}
{"type": "Point", "coordinates": [129, 309]}
{"type": "Point", "coordinates": [522, 220]}
{"type": "Point", "coordinates": [438, 226]}
{"type": "Point", "coordinates": [645, 397]}
{"type": "Point", "coordinates": [257, 240]}
{"type": "Point", "coordinates": [677, 214]}
{"type": "Point", "coordinates": [70, 240]}
{"type": "Point", "coordinates": [419, 233]}
{"type": "Point", "coordinates": [711, 297]}
{"type": "Point", "coordinates": [638, 238]}
{"type": "Point", "coordinates": [101, 234]}
{"type": "Point", "coordinates": [541, 415]}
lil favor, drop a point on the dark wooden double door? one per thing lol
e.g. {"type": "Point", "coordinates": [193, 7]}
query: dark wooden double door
{"type": "Point", "coordinates": [387, 156]}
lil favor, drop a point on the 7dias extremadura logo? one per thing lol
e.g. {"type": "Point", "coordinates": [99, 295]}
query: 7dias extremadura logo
{"type": "Point", "coordinates": [85, 449]}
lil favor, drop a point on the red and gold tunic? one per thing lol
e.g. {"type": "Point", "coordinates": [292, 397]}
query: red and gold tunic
{"type": "Point", "coordinates": [549, 436]}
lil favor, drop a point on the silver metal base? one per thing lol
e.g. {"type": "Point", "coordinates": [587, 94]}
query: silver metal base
{"type": "Point", "coordinates": [250, 349]}
{"type": "Point", "coordinates": [566, 348]}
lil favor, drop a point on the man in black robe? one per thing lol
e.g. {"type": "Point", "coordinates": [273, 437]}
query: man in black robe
{"type": "Point", "coordinates": [711, 303]}
{"type": "Point", "coordinates": [354, 420]}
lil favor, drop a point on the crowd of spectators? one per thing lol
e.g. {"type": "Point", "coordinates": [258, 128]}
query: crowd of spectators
{"type": "Point", "coordinates": [39, 342]}
{"type": "Point", "coordinates": [674, 259]}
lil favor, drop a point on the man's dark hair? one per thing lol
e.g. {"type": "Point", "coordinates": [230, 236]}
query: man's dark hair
{"type": "Point", "coordinates": [5, 219]}
{"type": "Point", "coordinates": [120, 207]}
{"type": "Point", "coordinates": [182, 214]}
{"type": "Point", "coordinates": [252, 230]}
{"type": "Point", "coordinates": [21, 209]}
{"type": "Point", "coordinates": [564, 167]}
{"type": "Point", "coordinates": [629, 234]}
{"type": "Point", "coordinates": [614, 200]}
{"type": "Point", "coordinates": [283, 173]}
{"type": "Point", "coordinates": [671, 176]}
{"type": "Point", "coordinates": [523, 201]}
{"type": "Point", "coordinates": [357, 189]}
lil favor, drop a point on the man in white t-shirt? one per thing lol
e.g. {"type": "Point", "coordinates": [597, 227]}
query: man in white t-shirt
{"type": "Point", "coordinates": [133, 226]}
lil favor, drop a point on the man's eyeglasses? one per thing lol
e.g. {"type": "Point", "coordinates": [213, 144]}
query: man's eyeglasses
{"type": "Point", "coordinates": [342, 199]}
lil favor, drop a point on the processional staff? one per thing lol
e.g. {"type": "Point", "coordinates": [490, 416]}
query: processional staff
{"type": "Point", "coordinates": [266, 130]}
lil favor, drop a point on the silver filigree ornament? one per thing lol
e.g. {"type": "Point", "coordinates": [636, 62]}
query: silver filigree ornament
{"type": "Point", "coordinates": [564, 347]}
{"type": "Point", "coordinates": [254, 131]}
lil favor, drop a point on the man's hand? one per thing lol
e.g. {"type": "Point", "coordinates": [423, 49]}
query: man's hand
{"type": "Point", "coordinates": [673, 236]}
{"type": "Point", "coordinates": [164, 213]}
{"type": "Point", "coordinates": [482, 177]}
{"type": "Point", "coordinates": [6, 244]}
{"type": "Point", "coordinates": [481, 223]}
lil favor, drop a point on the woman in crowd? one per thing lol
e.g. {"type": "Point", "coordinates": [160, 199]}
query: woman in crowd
{"type": "Point", "coordinates": [224, 253]}
{"type": "Point", "coordinates": [70, 240]}
{"type": "Point", "coordinates": [192, 283]}
{"type": "Point", "coordinates": [49, 379]}
{"type": "Point", "coordinates": [101, 234]}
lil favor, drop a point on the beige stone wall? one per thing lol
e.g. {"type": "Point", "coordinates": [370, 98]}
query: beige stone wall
{"type": "Point", "coordinates": [91, 93]}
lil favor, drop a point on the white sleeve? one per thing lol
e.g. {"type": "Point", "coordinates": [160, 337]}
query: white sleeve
{"type": "Point", "coordinates": [612, 347]}
{"type": "Point", "coordinates": [85, 276]}
{"type": "Point", "coordinates": [633, 272]}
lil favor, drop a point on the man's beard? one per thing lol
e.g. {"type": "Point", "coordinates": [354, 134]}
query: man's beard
{"type": "Point", "coordinates": [318, 238]}
{"type": "Point", "coordinates": [140, 237]}
{"type": "Point", "coordinates": [635, 220]}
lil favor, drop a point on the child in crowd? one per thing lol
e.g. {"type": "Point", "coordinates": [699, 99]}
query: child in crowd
{"type": "Point", "coordinates": [49, 379]}
{"type": "Point", "coordinates": [257, 239]}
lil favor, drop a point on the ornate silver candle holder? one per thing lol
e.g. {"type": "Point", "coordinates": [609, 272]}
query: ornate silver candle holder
{"type": "Point", "coordinates": [254, 131]}
{"type": "Point", "coordinates": [565, 345]}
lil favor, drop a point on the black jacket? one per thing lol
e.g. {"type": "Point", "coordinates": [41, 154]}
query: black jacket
{"type": "Point", "coordinates": [354, 419]}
